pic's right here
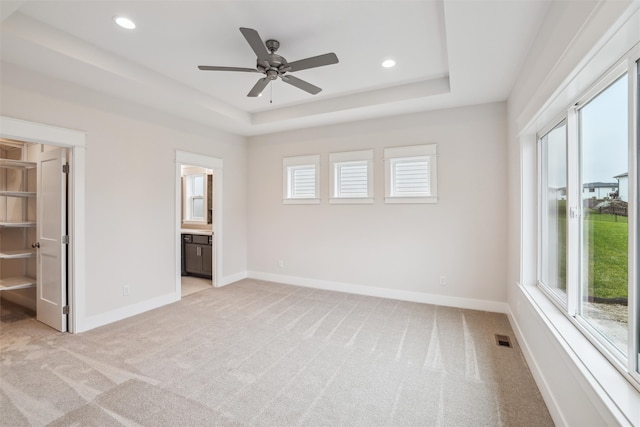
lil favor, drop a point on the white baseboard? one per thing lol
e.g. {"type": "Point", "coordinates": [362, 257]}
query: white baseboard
{"type": "Point", "coordinates": [91, 322]}
{"type": "Point", "coordinates": [227, 280]}
{"type": "Point", "coordinates": [449, 301]}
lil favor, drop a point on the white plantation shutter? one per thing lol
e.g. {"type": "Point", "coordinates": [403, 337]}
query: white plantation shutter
{"type": "Point", "coordinates": [351, 179]}
{"type": "Point", "coordinates": [411, 174]}
{"type": "Point", "coordinates": [411, 177]}
{"type": "Point", "coordinates": [300, 179]}
{"type": "Point", "coordinates": [303, 182]}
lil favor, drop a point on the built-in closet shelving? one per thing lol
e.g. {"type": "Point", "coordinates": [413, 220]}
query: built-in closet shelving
{"type": "Point", "coordinates": [17, 216]}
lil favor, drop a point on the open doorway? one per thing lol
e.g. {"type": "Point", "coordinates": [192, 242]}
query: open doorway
{"type": "Point", "coordinates": [198, 222]}
{"type": "Point", "coordinates": [34, 230]}
{"type": "Point", "coordinates": [63, 288]}
{"type": "Point", "coordinates": [196, 229]}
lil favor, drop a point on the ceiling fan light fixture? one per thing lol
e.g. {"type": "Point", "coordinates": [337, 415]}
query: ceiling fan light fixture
{"type": "Point", "coordinates": [388, 63]}
{"type": "Point", "coordinates": [124, 22]}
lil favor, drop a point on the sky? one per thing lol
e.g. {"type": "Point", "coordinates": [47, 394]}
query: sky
{"type": "Point", "coordinates": [603, 139]}
{"type": "Point", "coordinates": [604, 134]}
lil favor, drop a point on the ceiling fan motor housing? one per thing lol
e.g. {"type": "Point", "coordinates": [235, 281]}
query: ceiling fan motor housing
{"type": "Point", "coordinates": [272, 45]}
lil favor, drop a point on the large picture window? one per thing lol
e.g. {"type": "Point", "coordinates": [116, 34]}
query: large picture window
{"type": "Point", "coordinates": [588, 260]}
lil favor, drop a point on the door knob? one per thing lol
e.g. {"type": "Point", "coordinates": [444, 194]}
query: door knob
{"type": "Point", "coordinates": [35, 245]}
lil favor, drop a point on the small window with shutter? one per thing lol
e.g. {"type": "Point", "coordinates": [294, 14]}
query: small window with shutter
{"type": "Point", "coordinates": [351, 177]}
{"type": "Point", "coordinates": [411, 174]}
{"type": "Point", "coordinates": [300, 179]}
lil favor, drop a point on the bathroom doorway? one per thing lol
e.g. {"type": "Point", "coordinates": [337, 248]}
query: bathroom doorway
{"type": "Point", "coordinates": [196, 232]}
{"type": "Point", "coordinates": [198, 222]}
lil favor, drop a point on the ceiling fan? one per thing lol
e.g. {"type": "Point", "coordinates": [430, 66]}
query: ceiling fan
{"type": "Point", "coordinates": [274, 66]}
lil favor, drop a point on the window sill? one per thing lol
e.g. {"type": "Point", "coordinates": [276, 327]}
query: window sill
{"type": "Point", "coordinates": [410, 200]}
{"type": "Point", "coordinates": [199, 223]}
{"type": "Point", "coordinates": [301, 201]}
{"type": "Point", "coordinates": [613, 389]}
{"type": "Point", "coordinates": [351, 201]}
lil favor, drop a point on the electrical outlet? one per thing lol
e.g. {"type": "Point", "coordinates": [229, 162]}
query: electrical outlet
{"type": "Point", "coordinates": [443, 281]}
{"type": "Point", "coordinates": [280, 263]}
{"type": "Point", "coordinates": [125, 290]}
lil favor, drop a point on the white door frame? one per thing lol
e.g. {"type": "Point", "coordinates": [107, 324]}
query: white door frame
{"type": "Point", "coordinates": [75, 141]}
{"type": "Point", "coordinates": [192, 159]}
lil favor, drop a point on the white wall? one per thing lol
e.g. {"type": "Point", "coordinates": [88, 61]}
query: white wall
{"type": "Point", "coordinates": [398, 248]}
{"type": "Point", "coordinates": [130, 188]}
{"type": "Point", "coordinates": [570, 31]}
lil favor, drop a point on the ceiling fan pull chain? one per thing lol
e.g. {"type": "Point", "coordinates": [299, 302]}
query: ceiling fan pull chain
{"type": "Point", "coordinates": [271, 96]}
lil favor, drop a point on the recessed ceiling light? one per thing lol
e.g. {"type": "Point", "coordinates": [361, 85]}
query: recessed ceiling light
{"type": "Point", "coordinates": [124, 22]}
{"type": "Point", "coordinates": [389, 63]}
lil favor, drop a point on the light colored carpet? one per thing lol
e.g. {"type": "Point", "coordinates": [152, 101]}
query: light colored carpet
{"type": "Point", "coordinates": [259, 353]}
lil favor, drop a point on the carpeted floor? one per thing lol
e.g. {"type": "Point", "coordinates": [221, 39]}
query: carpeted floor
{"type": "Point", "coordinates": [258, 353]}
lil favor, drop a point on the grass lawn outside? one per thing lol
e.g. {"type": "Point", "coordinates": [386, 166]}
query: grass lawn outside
{"type": "Point", "coordinates": [607, 270]}
{"type": "Point", "coordinates": [606, 243]}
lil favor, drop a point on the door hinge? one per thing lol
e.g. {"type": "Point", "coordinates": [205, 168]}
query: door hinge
{"type": "Point", "coordinates": [65, 239]}
{"type": "Point", "coordinates": [65, 309]}
{"type": "Point", "coordinates": [65, 168]}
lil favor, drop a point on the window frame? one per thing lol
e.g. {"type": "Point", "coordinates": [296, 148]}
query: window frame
{"type": "Point", "coordinates": [336, 161]}
{"type": "Point", "coordinates": [187, 213]}
{"type": "Point", "coordinates": [542, 170]}
{"type": "Point", "coordinates": [291, 164]}
{"type": "Point", "coordinates": [628, 366]}
{"type": "Point", "coordinates": [611, 351]}
{"type": "Point", "coordinates": [398, 154]}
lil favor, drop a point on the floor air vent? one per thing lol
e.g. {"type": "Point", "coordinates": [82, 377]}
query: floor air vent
{"type": "Point", "coordinates": [503, 341]}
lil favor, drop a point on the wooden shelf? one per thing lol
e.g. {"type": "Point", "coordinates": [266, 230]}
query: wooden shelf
{"type": "Point", "coordinates": [20, 221]}
{"type": "Point", "coordinates": [18, 193]}
{"type": "Point", "coordinates": [17, 164]}
{"type": "Point", "coordinates": [13, 283]}
{"type": "Point", "coordinates": [17, 224]}
{"type": "Point", "coordinates": [10, 144]}
{"type": "Point", "coordinates": [21, 253]}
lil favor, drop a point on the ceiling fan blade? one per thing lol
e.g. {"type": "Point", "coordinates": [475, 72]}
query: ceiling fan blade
{"type": "Point", "coordinates": [214, 68]}
{"type": "Point", "coordinates": [258, 87]}
{"type": "Point", "coordinates": [256, 43]}
{"type": "Point", "coordinates": [301, 84]}
{"type": "Point", "coordinates": [315, 61]}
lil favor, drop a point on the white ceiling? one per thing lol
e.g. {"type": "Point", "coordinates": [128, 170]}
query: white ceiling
{"type": "Point", "coordinates": [449, 53]}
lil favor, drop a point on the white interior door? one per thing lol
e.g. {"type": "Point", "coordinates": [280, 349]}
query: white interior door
{"type": "Point", "coordinates": [51, 259]}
